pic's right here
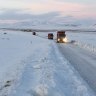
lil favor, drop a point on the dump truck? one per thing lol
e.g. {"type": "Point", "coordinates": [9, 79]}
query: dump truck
{"type": "Point", "coordinates": [61, 37]}
{"type": "Point", "coordinates": [50, 36]}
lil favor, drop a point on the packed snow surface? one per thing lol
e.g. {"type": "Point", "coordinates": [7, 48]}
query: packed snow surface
{"type": "Point", "coordinates": [34, 66]}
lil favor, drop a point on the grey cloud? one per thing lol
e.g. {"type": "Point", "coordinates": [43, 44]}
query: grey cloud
{"type": "Point", "coordinates": [26, 19]}
{"type": "Point", "coordinates": [18, 15]}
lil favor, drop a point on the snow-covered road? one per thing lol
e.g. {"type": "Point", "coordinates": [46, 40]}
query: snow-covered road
{"type": "Point", "coordinates": [47, 73]}
{"type": "Point", "coordinates": [33, 66]}
{"type": "Point", "coordinates": [83, 60]}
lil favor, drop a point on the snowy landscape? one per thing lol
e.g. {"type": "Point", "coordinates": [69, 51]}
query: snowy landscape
{"type": "Point", "coordinates": [47, 47]}
{"type": "Point", "coordinates": [35, 66]}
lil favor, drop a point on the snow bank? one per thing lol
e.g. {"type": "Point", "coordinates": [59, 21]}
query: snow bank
{"type": "Point", "coordinates": [89, 47]}
{"type": "Point", "coordinates": [84, 40]}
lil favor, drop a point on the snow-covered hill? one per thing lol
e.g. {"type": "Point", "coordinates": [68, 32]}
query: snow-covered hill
{"type": "Point", "coordinates": [52, 20]}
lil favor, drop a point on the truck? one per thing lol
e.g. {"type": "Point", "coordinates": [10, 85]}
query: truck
{"type": "Point", "coordinates": [34, 33]}
{"type": "Point", "coordinates": [50, 36]}
{"type": "Point", "coordinates": [61, 37]}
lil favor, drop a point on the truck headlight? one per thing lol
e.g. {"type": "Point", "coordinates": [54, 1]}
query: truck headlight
{"type": "Point", "coordinates": [65, 39]}
{"type": "Point", "coordinates": [58, 39]}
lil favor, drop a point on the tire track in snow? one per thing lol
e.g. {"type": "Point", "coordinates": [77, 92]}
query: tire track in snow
{"type": "Point", "coordinates": [37, 76]}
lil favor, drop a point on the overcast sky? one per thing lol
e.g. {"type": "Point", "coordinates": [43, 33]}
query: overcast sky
{"type": "Point", "coordinates": [75, 8]}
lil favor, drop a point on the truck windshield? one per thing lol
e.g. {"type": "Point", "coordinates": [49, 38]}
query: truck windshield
{"type": "Point", "coordinates": [62, 35]}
